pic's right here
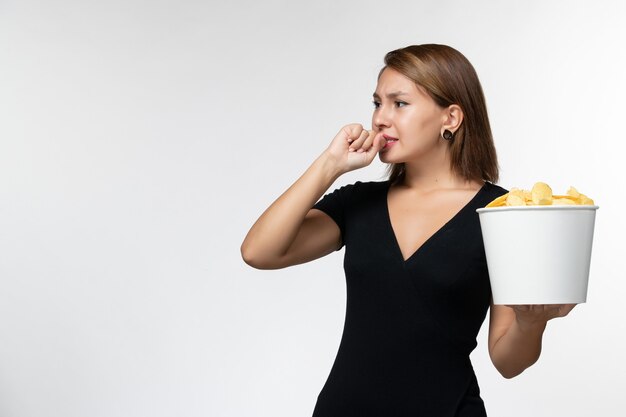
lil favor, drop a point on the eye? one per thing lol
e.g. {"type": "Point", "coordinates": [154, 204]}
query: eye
{"type": "Point", "coordinates": [376, 104]}
{"type": "Point", "coordinates": [401, 103]}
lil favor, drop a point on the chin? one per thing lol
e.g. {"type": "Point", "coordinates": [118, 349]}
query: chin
{"type": "Point", "coordinates": [385, 158]}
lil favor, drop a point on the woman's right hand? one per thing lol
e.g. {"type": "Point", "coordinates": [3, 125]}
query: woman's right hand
{"type": "Point", "coordinates": [354, 147]}
{"type": "Point", "coordinates": [290, 232]}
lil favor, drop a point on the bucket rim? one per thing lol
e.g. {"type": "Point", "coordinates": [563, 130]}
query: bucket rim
{"type": "Point", "coordinates": [535, 208]}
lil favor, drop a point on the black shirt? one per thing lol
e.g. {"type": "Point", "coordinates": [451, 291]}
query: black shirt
{"type": "Point", "coordinates": [410, 325]}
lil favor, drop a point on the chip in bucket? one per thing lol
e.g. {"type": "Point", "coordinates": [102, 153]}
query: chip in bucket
{"type": "Point", "coordinates": [541, 195]}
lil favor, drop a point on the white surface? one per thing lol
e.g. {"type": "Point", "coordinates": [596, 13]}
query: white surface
{"type": "Point", "coordinates": [140, 139]}
{"type": "Point", "coordinates": [538, 255]}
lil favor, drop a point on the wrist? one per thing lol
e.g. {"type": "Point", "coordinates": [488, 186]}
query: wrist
{"type": "Point", "coordinates": [329, 166]}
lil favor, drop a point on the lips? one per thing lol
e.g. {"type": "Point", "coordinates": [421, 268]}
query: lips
{"type": "Point", "coordinates": [390, 141]}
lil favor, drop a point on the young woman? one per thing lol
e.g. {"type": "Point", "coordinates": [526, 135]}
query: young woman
{"type": "Point", "coordinates": [417, 281]}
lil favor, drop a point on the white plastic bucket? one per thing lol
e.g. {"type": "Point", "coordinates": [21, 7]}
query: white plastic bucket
{"type": "Point", "coordinates": [538, 254]}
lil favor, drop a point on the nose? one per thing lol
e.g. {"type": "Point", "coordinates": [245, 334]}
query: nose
{"type": "Point", "coordinates": [381, 117]}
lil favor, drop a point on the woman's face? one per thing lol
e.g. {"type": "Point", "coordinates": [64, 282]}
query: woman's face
{"type": "Point", "coordinates": [408, 117]}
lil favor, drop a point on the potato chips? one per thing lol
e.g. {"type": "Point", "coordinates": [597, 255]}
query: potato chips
{"type": "Point", "coordinates": [541, 195]}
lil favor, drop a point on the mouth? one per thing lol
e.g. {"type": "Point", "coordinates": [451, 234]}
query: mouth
{"type": "Point", "coordinates": [390, 141]}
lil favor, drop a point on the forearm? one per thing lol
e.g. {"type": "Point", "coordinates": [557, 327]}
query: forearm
{"type": "Point", "coordinates": [518, 348]}
{"type": "Point", "coordinates": [272, 234]}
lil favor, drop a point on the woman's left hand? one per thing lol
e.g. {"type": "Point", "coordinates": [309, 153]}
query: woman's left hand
{"type": "Point", "coordinates": [535, 315]}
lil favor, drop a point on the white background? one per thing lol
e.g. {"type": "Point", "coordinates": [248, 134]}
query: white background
{"type": "Point", "coordinates": [139, 140]}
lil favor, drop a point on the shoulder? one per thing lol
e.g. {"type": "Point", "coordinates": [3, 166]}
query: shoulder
{"type": "Point", "coordinates": [360, 188]}
{"type": "Point", "coordinates": [494, 190]}
{"type": "Point", "coordinates": [350, 195]}
{"type": "Point", "coordinates": [488, 193]}
{"type": "Point", "coordinates": [351, 198]}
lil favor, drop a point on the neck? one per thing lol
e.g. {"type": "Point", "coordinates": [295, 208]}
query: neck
{"type": "Point", "coordinates": [433, 172]}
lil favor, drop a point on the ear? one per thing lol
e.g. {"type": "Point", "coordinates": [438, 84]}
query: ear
{"type": "Point", "coordinates": [452, 118]}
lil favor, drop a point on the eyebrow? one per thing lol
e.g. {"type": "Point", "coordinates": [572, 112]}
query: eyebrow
{"type": "Point", "coordinates": [394, 94]}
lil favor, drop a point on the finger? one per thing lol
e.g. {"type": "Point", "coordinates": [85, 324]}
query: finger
{"type": "Point", "coordinates": [565, 309]}
{"type": "Point", "coordinates": [352, 131]}
{"type": "Point", "coordinates": [358, 142]}
{"type": "Point", "coordinates": [378, 142]}
{"type": "Point", "coordinates": [558, 307]}
{"type": "Point", "coordinates": [367, 144]}
{"type": "Point", "coordinates": [519, 307]}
